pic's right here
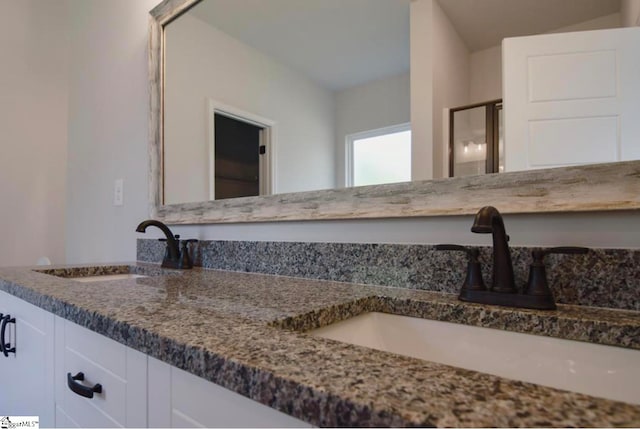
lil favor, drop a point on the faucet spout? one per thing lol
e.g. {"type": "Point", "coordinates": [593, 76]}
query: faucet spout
{"type": "Point", "coordinates": [488, 220]}
{"type": "Point", "coordinates": [172, 243]}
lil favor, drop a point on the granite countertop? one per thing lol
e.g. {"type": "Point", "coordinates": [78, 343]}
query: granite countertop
{"type": "Point", "coordinates": [245, 332]}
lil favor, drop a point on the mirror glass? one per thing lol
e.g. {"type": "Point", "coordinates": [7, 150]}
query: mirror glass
{"type": "Point", "coordinates": [267, 97]}
{"type": "Point", "coordinates": [302, 75]}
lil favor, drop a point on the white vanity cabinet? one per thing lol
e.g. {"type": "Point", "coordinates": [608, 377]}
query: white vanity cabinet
{"type": "Point", "coordinates": [140, 391]}
{"type": "Point", "coordinates": [180, 399]}
{"type": "Point", "coordinates": [27, 376]}
{"type": "Point", "coordinates": [120, 371]}
{"type": "Point", "coordinates": [135, 389]}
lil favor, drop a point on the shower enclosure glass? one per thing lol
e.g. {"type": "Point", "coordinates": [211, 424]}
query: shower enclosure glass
{"type": "Point", "coordinates": [475, 139]}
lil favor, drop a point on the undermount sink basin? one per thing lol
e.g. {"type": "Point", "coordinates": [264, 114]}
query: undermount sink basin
{"type": "Point", "coordinates": [107, 277]}
{"type": "Point", "coordinates": [103, 273]}
{"type": "Point", "coordinates": [596, 370]}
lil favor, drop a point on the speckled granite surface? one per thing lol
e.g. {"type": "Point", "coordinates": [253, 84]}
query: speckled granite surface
{"type": "Point", "coordinates": [603, 278]}
{"type": "Point", "coordinates": [235, 329]}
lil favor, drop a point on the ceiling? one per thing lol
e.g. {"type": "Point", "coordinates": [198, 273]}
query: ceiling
{"type": "Point", "coordinates": [343, 43]}
{"type": "Point", "coordinates": [338, 43]}
{"type": "Point", "coordinates": [484, 23]}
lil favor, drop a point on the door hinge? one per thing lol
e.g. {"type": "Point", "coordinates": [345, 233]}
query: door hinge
{"type": "Point", "coordinates": [263, 149]}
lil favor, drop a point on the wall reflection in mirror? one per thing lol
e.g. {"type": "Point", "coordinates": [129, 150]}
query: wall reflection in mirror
{"type": "Point", "coordinates": [304, 74]}
{"type": "Point", "coordinates": [276, 96]}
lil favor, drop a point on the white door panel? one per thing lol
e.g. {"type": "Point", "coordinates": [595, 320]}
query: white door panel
{"type": "Point", "coordinates": [548, 76]}
{"type": "Point", "coordinates": [584, 141]}
{"type": "Point", "coordinates": [571, 98]}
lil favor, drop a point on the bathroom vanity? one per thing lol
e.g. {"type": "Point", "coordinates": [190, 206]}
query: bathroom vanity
{"type": "Point", "coordinates": [221, 348]}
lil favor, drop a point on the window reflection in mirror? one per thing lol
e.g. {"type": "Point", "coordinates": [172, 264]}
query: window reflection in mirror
{"type": "Point", "coordinates": [379, 156]}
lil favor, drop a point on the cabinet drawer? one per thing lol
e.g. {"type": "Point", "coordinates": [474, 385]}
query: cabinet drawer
{"type": "Point", "coordinates": [96, 349]}
{"type": "Point", "coordinates": [180, 399]}
{"type": "Point", "coordinates": [119, 370]}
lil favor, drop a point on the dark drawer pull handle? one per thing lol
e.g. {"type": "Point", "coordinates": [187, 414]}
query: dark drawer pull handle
{"type": "Point", "coordinates": [1, 322]}
{"type": "Point", "coordinates": [80, 389]}
{"type": "Point", "coordinates": [6, 347]}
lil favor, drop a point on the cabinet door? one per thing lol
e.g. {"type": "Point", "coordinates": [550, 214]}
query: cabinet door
{"type": "Point", "coordinates": [120, 371]}
{"type": "Point", "coordinates": [26, 376]}
{"type": "Point", "coordinates": [180, 399]}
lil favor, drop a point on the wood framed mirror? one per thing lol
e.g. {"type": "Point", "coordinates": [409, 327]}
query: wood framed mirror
{"type": "Point", "coordinates": [610, 186]}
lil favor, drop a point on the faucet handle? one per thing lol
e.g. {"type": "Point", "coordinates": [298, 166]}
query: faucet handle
{"type": "Point", "coordinates": [537, 284]}
{"type": "Point", "coordinates": [473, 280]}
{"type": "Point", "coordinates": [164, 240]}
{"type": "Point", "coordinates": [565, 250]}
{"type": "Point", "coordinates": [185, 244]}
{"type": "Point", "coordinates": [185, 258]}
{"type": "Point", "coordinates": [451, 247]}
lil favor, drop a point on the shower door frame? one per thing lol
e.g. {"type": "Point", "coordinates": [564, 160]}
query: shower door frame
{"type": "Point", "coordinates": [492, 133]}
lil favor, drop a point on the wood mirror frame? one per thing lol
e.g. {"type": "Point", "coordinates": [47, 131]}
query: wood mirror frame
{"type": "Point", "coordinates": [598, 187]}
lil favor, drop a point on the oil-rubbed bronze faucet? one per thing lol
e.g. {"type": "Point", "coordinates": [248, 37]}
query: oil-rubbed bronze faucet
{"type": "Point", "coordinates": [489, 221]}
{"type": "Point", "coordinates": [502, 290]}
{"type": "Point", "coordinates": [174, 257]}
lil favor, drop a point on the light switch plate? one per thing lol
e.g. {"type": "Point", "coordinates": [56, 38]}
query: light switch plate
{"type": "Point", "coordinates": [118, 192]}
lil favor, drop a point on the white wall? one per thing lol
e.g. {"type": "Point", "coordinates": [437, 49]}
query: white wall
{"type": "Point", "coordinates": [613, 20]}
{"type": "Point", "coordinates": [33, 130]}
{"type": "Point", "coordinates": [370, 106]}
{"type": "Point", "coordinates": [601, 229]}
{"type": "Point", "coordinates": [253, 82]}
{"type": "Point", "coordinates": [451, 77]}
{"type": "Point", "coordinates": [108, 114]}
{"type": "Point", "coordinates": [440, 67]}
{"type": "Point", "coordinates": [630, 11]}
{"type": "Point", "coordinates": [96, 231]}
{"type": "Point", "coordinates": [486, 75]}
{"type": "Point", "coordinates": [421, 89]}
